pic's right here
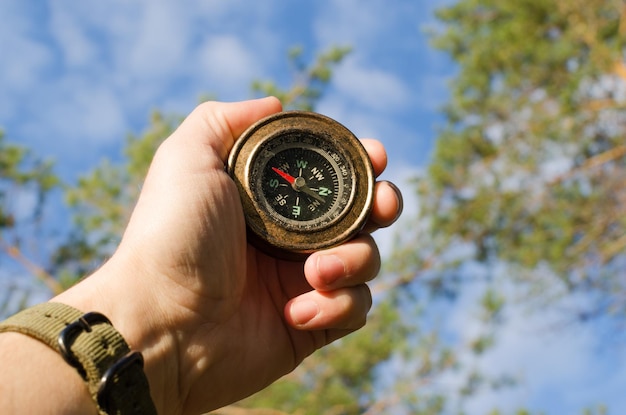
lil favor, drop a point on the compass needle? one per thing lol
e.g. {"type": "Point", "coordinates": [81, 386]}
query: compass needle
{"type": "Point", "coordinates": [284, 175]}
{"type": "Point", "coordinates": [311, 193]}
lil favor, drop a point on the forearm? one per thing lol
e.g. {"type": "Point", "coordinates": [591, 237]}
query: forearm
{"type": "Point", "coordinates": [36, 380]}
{"type": "Point", "coordinates": [38, 368]}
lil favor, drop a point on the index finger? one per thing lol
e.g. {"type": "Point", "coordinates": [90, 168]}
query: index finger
{"type": "Point", "coordinates": [377, 153]}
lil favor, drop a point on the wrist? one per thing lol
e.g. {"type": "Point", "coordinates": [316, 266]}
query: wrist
{"type": "Point", "coordinates": [115, 292]}
{"type": "Point", "coordinates": [22, 385]}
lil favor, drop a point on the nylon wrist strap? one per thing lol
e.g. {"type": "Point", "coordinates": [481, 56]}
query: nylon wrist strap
{"type": "Point", "coordinates": [113, 373]}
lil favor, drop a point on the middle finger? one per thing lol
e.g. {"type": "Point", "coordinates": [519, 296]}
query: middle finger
{"type": "Point", "coordinates": [349, 264]}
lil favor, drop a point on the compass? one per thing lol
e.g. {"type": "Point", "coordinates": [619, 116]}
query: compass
{"type": "Point", "coordinates": [306, 183]}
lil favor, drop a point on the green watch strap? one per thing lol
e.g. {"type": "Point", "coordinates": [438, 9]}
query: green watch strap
{"type": "Point", "coordinates": [89, 342]}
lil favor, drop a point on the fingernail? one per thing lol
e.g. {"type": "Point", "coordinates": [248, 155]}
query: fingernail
{"type": "Point", "coordinates": [330, 268]}
{"type": "Point", "coordinates": [303, 311]}
{"type": "Point", "coordinates": [399, 199]}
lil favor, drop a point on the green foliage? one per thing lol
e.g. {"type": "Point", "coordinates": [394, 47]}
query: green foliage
{"type": "Point", "coordinates": [13, 298]}
{"type": "Point", "coordinates": [25, 184]}
{"type": "Point", "coordinates": [103, 199]}
{"type": "Point", "coordinates": [309, 80]}
{"type": "Point", "coordinates": [18, 172]}
{"type": "Point", "coordinates": [527, 180]}
{"type": "Point", "coordinates": [529, 169]}
{"type": "Point", "coordinates": [498, 45]}
{"type": "Point", "coordinates": [598, 410]}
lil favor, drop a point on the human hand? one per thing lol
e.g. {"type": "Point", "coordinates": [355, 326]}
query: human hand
{"type": "Point", "coordinates": [216, 319]}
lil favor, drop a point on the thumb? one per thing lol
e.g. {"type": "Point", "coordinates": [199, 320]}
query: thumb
{"type": "Point", "coordinates": [218, 125]}
{"type": "Point", "coordinates": [180, 180]}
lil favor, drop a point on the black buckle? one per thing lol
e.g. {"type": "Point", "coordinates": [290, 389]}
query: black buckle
{"type": "Point", "coordinates": [106, 382]}
{"type": "Point", "coordinates": [69, 334]}
{"type": "Point", "coordinates": [84, 324]}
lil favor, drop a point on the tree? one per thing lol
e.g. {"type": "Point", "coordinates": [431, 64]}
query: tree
{"type": "Point", "coordinates": [25, 182]}
{"type": "Point", "coordinates": [526, 187]}
{"type": "Point", "coordinates": [529, 169]}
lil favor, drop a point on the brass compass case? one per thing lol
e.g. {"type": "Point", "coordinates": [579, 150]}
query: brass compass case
{"type": "Point", "coordinates": [306, 183]}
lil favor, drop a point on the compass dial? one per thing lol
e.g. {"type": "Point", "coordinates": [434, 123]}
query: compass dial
{"type": "Point", "coordinates": [306, 183]}
{"type": "Point", "coordinates": [304, 186]}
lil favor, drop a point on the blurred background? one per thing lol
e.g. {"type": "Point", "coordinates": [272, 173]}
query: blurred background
{"type": "Point", "coordinates": [504, 286]}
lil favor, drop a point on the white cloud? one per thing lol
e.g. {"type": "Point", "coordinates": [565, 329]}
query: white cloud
{"type": "Point", "coordinates": [557, 364]}
{"type": "Point", "coordinates": [353, 21]}
{"type": "Point", "coordinates": [102, 114]}
{"type": "Point", "coordinates": [368, 25]}
{"type": "Point", "coordinates": [23, 57]}
{"type": "Point", "coordinates": [86, 71]}
{"type": "Point", "coordinates": [22, 73]}
{"type": "Point", "coordinates": [160, 42]}
{"type": "Point", "coordinates": [431, 92]}
{"type": "Point", "coordinates": [77, 48]}
{"type": "Point", "coordinates": [371, 87]}
{"type": "Point", "coordinates": [228, 60]}
{"type": "Point", "coordinates": [87, 114]}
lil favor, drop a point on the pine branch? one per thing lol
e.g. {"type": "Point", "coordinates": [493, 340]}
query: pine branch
{"type": "Point", "coordinates": [613, 249]}
{"type": "Point", "coordinates": [593, 162]}
{"type": "Point", "coordinates": [41, 274]}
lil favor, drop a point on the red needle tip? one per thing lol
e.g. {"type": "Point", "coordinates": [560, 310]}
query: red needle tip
{"type": "Point", "coordinates": [285, 176]}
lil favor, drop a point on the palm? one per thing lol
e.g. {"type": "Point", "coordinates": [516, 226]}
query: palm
{"type": "Point", "coordinates": [256, 335]}
{"type": "Point", "coordinates": [272, 284]}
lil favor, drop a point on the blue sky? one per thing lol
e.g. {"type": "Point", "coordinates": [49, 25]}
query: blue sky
{"type": "Point", "coordinates": [77, 77]}
{"type": "Point", "coordinates": [105, 66]}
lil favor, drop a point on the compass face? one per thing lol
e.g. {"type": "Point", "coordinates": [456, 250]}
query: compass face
{"type": "Point", "coordinates": [306, 183]}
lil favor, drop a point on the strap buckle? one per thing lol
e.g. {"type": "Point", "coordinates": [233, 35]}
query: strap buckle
{"type": "Point", "coordinates": [107, 383]}
{"type": "Point", "coordinates": [69, 334]}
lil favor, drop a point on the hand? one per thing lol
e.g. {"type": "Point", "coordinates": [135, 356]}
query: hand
{"type": "Point", "coordinates": [216, 319]}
